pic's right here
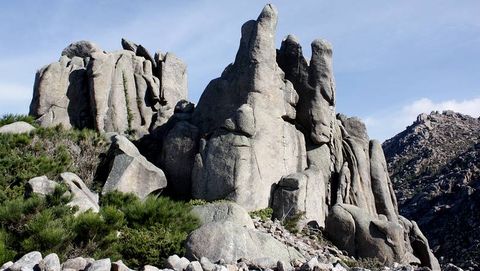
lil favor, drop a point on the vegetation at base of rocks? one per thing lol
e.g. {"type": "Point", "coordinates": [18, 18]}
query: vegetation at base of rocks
{"type": "Point", "coordinates": [46, 151]}
{"type": "Point", "coordinates": [291, 223]}
{"type": "Point", "coordinates": [366, 263]}
{"type": "Point", "coordinates": [138, 232]}
{"type": "Point", "coordinates": [197, 202]}
{"type": "Point", "coordinates": [263, 214]}
{"type": "Point", "coordinates": [11, 118]}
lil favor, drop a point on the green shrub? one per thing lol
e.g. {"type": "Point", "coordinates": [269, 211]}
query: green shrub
{"type": "Point", "coordinates": [11, 118]}
{"type": "Point", "coordinates": [47, 151]}
{"type": "Point", "coordinates": [291, 223]}
{"type": "Point", "coordinates": [366, 263]}
{"type": "Point", "coordinates": [6, 254]}
{"type": "Point", "coordinates": [126, 228]}
{"type": "Point", "coordinates": [197, 202]}
{"type": "Point", "coordinates": [263, 214]}
{"type": "Point", "coordinates": [151, 245]}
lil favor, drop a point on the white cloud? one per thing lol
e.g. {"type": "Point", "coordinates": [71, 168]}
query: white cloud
{"type": "Point", "coordinates": [424, 105]}
{"type": "Point", "coordinates": [384, 126]}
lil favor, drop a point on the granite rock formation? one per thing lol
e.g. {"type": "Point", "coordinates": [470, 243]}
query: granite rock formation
{"type": "Point", "coordinates": [264, 134]}
{"type": "Point", "coordinates": [435, 168]}
{"type": "Point", "coordinates": [126, 91]}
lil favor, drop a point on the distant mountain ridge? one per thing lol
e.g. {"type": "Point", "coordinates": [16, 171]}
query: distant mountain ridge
{"type": "Point", "coordinates": [435, 169]}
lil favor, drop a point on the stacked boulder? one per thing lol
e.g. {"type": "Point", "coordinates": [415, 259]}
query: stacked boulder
{"type": "Point", "coordinates": [126, 91]}
{"type": "Point", "coordinates": [264, 134]}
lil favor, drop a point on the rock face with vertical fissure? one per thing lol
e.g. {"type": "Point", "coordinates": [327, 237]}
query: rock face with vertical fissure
{"type": "Point", "coordinates": [123, 91]}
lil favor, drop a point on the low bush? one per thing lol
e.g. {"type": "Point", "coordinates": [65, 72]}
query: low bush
{"type": "Point", "coordinates": [138, 232]}
{"type": "Point", "coordinates": [11, 118]}
{"type": "Point", "coordinates": [47, 151]}
{"type": "Point", "coordinates": [263, 214]}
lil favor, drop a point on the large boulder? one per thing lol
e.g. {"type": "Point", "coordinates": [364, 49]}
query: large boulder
{"type": "Point", "coordinates": [231, 242]}
{"type": "Point", "coordinates": [364, 236]}
{"type": "Point", "coordinates": [223, 211]}
{"type": "Point", "coordinates": [27, 262]}
{"type": "Point", "coordinates": [129, 171]}
{"type": "Point", "coordinates": [80, 49]}
{"type": "Point", "coordinates": [51, 262]}
{"type": "Point", "coordinates": [300, 195]}
{"type": "Point", "coordinates": [19, 127]}
{"type": "Point", "coordinates": [419, 244]}
{"type": "Point", "coordinates": [41, 186]}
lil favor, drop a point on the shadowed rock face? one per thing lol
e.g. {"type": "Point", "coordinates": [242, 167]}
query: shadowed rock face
{"type": "Point", "coordinates": [435, 168]}
{"type": "Point", "coordinates": [123, 91]}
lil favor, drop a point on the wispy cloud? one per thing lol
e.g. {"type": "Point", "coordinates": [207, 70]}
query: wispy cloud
{"type": "Point", "coordinates": [387, 125]}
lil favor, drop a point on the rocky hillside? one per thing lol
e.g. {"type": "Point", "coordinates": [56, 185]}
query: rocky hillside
{"type": "Point", "coordinates": [435, 169]}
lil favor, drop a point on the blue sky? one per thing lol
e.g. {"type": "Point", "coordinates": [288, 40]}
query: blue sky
{"type": "Point", "coordinates": [392, 59]}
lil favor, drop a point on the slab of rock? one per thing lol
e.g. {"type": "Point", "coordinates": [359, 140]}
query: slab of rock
{"type": "Point", "coordinates": [130, 172]}
{"type": "Point", "coordinates": [150, 268]}
{"type": "Point", "coordinates": [176, 263]}
{"type": "Point", "coordinates": [27, 262]}
{"type": "Point", "coordinates": [120, 266]}
{"type": "Point", "coordinates": [230, 242]}
{"type": "Point", "coordinates": [194, 266]}
{"type": "Point", "coordinates": [206, 264]}
{"type": "Point", "coordinates": [100, 265]}
{"type": "Point", "coordinates": [77, 264]}
{"type": "Point", "coordinates": [19, 127]}
{"type": "Point", "coordinates": [41, 186]}
{"type": "Point", "coordinates": [51, 262]}
{"type": "Point", "coordinates": [300, 194]}
{"type": "Point", "coordinates": [80, 49]}
{"type": "Point", "coordinates": [223, 211]}
{"type": "Point", "coordinates": [83, 198]}
{"type": "Point", "coordinates": [6, 265]}
{"type": "Point", "coordinates": [129, 45]}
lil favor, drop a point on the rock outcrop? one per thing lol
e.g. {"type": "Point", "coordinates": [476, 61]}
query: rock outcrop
{"type": "Point", "coordinates": [246, 116]}
{"type": "Point", "coordinates": [269, 136]}
{"type": "Point", "coordinates": [81, 197]}
{"type": "Point", "coordinates": [435, 168]}
{"type": "Point", "coordinates": [124, 91]}
{"type": "Point", "coordinates": [264, 134]}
